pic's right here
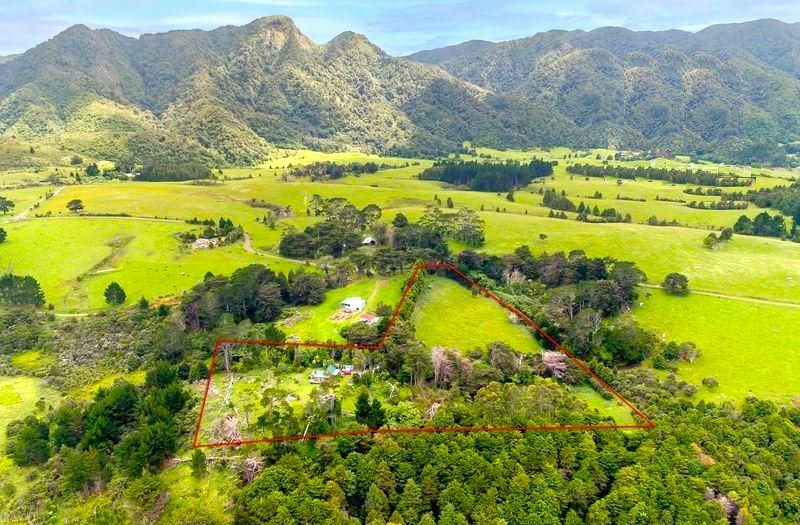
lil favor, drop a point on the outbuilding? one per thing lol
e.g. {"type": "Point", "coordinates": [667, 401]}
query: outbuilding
{"type": "Point", "coordinates": [353, 304]}
{"type": "Point", "coordinates": [369, 319]}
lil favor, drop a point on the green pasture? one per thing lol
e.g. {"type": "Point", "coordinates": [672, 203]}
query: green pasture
{"type": "Point", "coordinates": [750, 348]}
{"type": "Point", "coordinates": [746, 266]}
{"type": "Point", "coordinates": [33, 361]}
{"type": "Point", "coordinates": [88, 392]}
{"type": "Point", "coordinates": [314, 323]}
{"type": "Point", "coordinates": [23, 199]}
{"type": "Point", "coordinates": [74, 259]}
{"type": "Point", "coordinates": [680, 162]}
{"type": "Point", "coordinates": [606, 407]}
{"type": "Point", "coordinates": [448, 314]}
{"type": "Point", "coordinates": [18, 395]}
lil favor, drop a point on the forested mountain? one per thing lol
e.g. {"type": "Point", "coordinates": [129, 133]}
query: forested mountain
{"type": "Point", "coordinates": [227, 96]}
{"type": "Point", "coordinates": [725, 87]}
{"type": "Point", "coordinates": [229, 93]}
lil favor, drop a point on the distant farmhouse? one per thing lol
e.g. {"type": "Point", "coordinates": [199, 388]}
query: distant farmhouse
{"type": "Point", "coordinates": [204, 243]}
{"type": "Point", "coordinates": [662, 153]}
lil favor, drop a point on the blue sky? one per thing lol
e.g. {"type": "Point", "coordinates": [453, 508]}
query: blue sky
{"type": "Point", "coordinates": [399, 27]}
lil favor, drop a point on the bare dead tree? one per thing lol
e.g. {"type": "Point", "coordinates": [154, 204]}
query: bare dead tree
{"type": "Point", "coordinates": [227, 428]}
{"type": "Point", "coordinates": [431, 412]}
{"type": "Point", "coordinates": [512, 276]}
{"type": "Point", "coordinates": [250, 467]}
{"type": "Point", "coordinates": [442, 366]}
{"type": "Point", "coordinates": [226, 353]}
{"type": "Point", "coordinates": [556, 363]}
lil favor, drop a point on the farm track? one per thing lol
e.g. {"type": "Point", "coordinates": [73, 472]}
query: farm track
{"type": "Point", "coordinates": [24, 215]}
{"type": "Point", "coordinates": [744, 298]}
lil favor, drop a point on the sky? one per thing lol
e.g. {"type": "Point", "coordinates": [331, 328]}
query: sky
{"type": "Point", "coordinates": [398, 27]}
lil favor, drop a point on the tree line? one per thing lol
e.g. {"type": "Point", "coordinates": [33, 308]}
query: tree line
{"type": "Point", "coordinates": [698, 177]}
{"type": "Point", "coordinates": [488, 176]}
{"type": "Point", "coordinates": [332, 170]}
{"type": "Point", "coordinates": [174, 172]}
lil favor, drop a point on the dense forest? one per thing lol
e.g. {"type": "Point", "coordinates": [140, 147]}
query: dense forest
{"type": "Point", "coordinates": [174, 171]}
{"type": "Point", "coordinates": [698, 177]}
{"type": "Point", "coordinates": [486, 176]}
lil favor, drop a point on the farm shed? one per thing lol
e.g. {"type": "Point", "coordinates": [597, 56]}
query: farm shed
{"type": "Point", "coordinates": [353, 304]}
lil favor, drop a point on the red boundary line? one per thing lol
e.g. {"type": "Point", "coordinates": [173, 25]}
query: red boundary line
{"type": "Point", "coordinates": [648, 423]}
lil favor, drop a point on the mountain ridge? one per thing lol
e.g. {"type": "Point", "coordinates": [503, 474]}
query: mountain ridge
{"type": "Point", "coordinates": [231, 94]}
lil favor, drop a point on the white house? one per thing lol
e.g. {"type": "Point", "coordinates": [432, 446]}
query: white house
{"type": "Point", "coordinates": [368, 241]}
{"type": "Point", "coordinates": [353, 304]}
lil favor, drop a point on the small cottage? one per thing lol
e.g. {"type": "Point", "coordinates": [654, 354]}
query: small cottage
{"type": "Point", "coordinates": [318, 376]}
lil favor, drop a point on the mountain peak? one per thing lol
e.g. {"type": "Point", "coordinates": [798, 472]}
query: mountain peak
{"type": "Point", "coordinates": [279, 22]}
{"type": "Point", "coordinates": [350, 41]}
{"type": "Point", "coordinates": [76, 30]}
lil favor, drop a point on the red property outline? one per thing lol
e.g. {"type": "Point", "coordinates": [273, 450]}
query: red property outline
{"type": "Point", "coordinates": [647, 424]}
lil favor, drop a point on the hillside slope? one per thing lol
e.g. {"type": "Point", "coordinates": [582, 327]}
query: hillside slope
{"type": "Point", "coordinates": [726, 87]}
{"type": "Point", "coordinates": [226, 95]}
{"type": "Point", "coordinates": [229, 95]}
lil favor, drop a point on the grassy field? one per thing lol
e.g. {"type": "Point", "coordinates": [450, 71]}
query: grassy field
{"type": "Point", "coordinates": [33, 361]}
{"type": "Point", "coordinates": [23, 199]}
{"type": "Point", "coordinates": [750, 348]}
{"type": "Point", "coordinates": [74, 259]}
{"type": "Point", "coordinates": [607, 407]}
{"type": "Point", "coordinates": [746, 266]}
{"type": "Point", "coordinates": [315, 324]}
{"type": "Point", "coordinates": [87, 392]}
{"type": "Point", "coordinates": [18, 395]}
{"type": "Point", "coordinates": [447, 314]}
{"type": "Point", "coordinates": [239, 395]}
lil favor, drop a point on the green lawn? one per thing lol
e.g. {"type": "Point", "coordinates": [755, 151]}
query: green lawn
{"type": "Point", "coordinates": [447, 314]}
{"type": "Point", "coordinates": [750, 348]}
